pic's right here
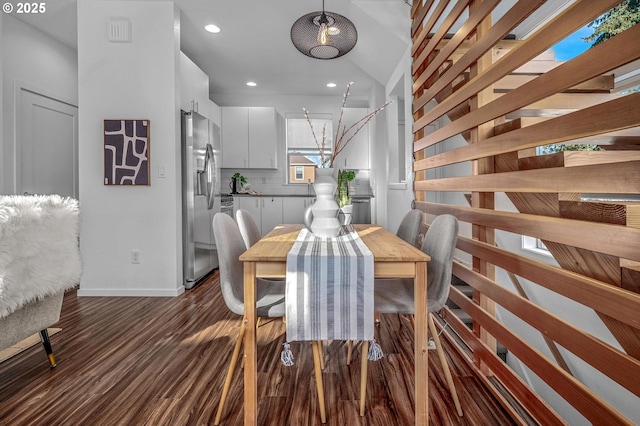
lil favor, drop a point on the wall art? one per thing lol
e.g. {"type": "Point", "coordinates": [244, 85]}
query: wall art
{"type": "Point", "coordinates": [126, 152]}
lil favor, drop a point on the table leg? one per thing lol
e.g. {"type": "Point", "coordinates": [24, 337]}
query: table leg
{"type": "Point", "coordinates": [250, 360]}
{"type": "Point", "coordinates": [421, 345]}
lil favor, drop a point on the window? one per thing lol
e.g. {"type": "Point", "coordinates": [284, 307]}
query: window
{"type": "Point", "coordinates": [303, 154]}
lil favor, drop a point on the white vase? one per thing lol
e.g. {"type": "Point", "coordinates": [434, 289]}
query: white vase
{"type": "Point", "coordinates": [323, 213]}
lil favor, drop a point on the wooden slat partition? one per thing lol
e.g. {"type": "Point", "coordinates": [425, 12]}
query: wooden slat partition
{"type": "Point", "coordinates": [615, 364]}
{"type": "Point", "coordinates": [590, 405]}
{"type": "Point", "coordinates": [455, 101]}
{"type": "Point", "coordinates": [538, 409]}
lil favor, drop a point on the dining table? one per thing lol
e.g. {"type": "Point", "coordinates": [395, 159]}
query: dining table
{"type": "Point", "coordinates": [393, 258]}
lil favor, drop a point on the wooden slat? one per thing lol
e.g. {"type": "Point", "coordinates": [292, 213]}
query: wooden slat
{"type": "Point", "coordinates": [624, 178]}
{"type": "Point", "coordinates": [609, 239]}
{"type": "Point", "coordinates": [516, 14]}
{"type": "Point", "coordinates": [617, 114]}
{"type": "Point", "coordinates": [578, 395]}
{"type": "Point", "coordinates": [572, 19]}
{"type": "Point", "coordinates": [615, 364]}
{"type": "Point", "coordinates": [538, 408]}
{"type": "Point", "coordinates": [601, 83]}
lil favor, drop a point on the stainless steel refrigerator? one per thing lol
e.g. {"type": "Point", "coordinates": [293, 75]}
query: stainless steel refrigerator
{"type": "Point", "coordinates": [200, 195]}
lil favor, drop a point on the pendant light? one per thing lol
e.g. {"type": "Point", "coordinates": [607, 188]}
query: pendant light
{"type": "Point", "coordinates": [324, 35]}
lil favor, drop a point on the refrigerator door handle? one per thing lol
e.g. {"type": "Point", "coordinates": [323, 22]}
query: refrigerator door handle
{"type": "Point", "coordinates": [209, 169]}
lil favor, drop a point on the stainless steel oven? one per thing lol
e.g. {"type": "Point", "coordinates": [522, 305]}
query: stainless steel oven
{"type": "Point", "coordinates": [226, 204]}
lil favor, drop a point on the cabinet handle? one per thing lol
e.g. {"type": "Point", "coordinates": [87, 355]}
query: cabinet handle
{"type": "Point", "coordinates": [245, 162]}
{"type": "Point", "coordinates": [273, 163]}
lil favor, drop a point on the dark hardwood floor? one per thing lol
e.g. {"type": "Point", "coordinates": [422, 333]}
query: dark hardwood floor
{"type": "Point", "coordinates": [162, 361]}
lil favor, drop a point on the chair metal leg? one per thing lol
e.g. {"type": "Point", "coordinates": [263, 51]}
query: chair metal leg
{"type": "Point", "coordinates": [363, 375]}
{"type": "Point", "coordinates": [44, 338]}
{"type": "Point", "coordinates": [445, 365]}
{"type": "Point", "coordinates": [315, 345]}
{"type": "Point", "coordinates": [227, 380]}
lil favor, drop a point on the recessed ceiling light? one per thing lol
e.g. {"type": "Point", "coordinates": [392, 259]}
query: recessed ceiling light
{"type": "Point", "coordinates": [331, 85]}
{"type": "Point", "coordinates": [212, 28]}
{"type": "Point", "coordinates": [252, 83]}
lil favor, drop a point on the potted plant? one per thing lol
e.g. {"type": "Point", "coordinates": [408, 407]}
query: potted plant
{"type": "Point", "coordinates": [237, 181]}
{"type": "Point", "coordinates": [343, 198]}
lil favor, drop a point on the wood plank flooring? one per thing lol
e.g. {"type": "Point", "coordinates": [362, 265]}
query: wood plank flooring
{"type": "Point", "coordinates": [162, 361]}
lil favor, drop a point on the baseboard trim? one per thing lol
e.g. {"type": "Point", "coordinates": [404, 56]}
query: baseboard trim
{"type": "Point", "coordinates": [133, 292]}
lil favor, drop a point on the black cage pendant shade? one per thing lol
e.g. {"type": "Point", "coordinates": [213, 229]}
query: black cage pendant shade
{"type": "Point", "coordinates": [324, 35]}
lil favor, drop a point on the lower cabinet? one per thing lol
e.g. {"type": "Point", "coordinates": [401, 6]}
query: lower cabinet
{"type": "Point", "coordinates": [293, 209]}
{"type": "Point", "coordinates": [267, 211]}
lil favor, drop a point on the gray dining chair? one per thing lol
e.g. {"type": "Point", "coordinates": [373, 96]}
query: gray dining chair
{"type": "Point", "coordinates": [248, 227]}
{"type": "Point", "coordinates": [408, 231]}
{"type": "Point", "coordinates": [270, 300]}
{"type": "Point", "coordinates": [396, 295]}
{"type": "Point", "coordinates": [410, 226]}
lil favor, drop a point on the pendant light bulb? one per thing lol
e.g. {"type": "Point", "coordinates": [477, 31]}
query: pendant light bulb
{"type": "Point", "coordinates": [323, 32]}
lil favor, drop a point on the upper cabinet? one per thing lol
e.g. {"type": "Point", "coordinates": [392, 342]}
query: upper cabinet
{"type": "Point", "coordinates": [249, 137]}
{"type": "Point", "coordinates": [194, 90]}
{"type": "Point", "coordinates": [356, 154]}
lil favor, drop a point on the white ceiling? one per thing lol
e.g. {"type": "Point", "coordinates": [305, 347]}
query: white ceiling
{"type": "Point", "coordinates": [254, 43]}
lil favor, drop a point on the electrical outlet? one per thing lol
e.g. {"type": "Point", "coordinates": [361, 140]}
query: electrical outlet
{"type": "Point", "coordinates": [135, 256]}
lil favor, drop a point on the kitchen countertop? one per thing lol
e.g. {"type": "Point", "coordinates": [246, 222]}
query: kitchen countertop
{"type": "Point", "coordinates": [357, 196]}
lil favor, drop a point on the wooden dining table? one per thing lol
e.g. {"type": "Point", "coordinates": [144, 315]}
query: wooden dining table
{"type": "Point", "coordinates": [393, 258]}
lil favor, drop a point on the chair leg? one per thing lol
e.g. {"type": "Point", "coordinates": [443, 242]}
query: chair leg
{"type": "Point", "coordinates": [321, 353]}
{"type": "Point", "coordinates": [445, 365]}
{"type": "Point", "coordinates": [363, 375]}
{"type": "Point", "coordinates": [227, 380]}
{"type": "Point", "coordinates": [315, 345]}
{"type": "Point", "coordinates": [349, 351]}
{"type": "Point", "coordinates": [44, 338]}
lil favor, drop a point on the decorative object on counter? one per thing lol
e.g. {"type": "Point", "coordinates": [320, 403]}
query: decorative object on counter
{"type": "Point", "coordinates": [321, 217]}
{"type": "Point", "coordinates": [324, 35]}
{"type": "Point", "coordinates": [343, 134]}
{"type": "Point", "coordinates": [237, 181]}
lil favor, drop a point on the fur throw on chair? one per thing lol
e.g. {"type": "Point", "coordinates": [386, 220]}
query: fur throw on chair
{"type": "Point", "coordinates": [39, 253]}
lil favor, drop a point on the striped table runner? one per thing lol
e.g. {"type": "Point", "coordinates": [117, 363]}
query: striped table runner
{"type": "Point", "coordinates": [329, 290]}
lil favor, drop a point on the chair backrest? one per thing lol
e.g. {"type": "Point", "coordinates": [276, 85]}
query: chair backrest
{"type": "Point", "coordinates": [248, 227]}
{"type": "Point", "coordinates": [410, 225]}
{"type": "Point", "coordinates": [230, 246]}
{"type": "Point", "coordinates": [440, 244]}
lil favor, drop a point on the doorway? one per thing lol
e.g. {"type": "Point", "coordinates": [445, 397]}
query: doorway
{"type": "Point", "coordinates": [46, 145]}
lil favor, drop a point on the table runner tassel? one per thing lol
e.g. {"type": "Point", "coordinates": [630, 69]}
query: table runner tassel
{"type": "Point", "coordinates": [375, 351]}
{"type": "Point", "coordinates": [286, 356]}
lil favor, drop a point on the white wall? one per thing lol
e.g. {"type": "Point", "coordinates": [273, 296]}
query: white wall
{"type": "Point", "coordinates": [137, 80]}
{"type": "Point", "coordinates": [35, 61]}
{"type": "Point", "coordinates": [399, 194]}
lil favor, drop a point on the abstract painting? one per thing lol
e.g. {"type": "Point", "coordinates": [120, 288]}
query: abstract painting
{"type": "Point", "coordinates": [126, 152]}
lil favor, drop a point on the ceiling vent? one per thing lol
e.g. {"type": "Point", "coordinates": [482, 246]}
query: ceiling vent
{"type": "Point", "coordinates": [119, 30]}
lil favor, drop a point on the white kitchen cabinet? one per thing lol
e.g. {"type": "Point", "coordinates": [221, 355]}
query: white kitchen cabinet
{"type": "Point", "coordinates": [235, 137]}
{"type": "Point", "coordinates": [267, 211]}
{"type": "Point", "coordinates": [271, 213]}
{"type": "Point", "coordinates": [357, 152]}
{"type": "Point", "coordinates": [194, 88]}
{"type": "Point", "coordinates": [293, 209]}
{"type": "Point", "coordinates": [249, 137]}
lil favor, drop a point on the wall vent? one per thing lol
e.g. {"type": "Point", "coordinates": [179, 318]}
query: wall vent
{"type": "Point", "coordinates": [119, 30]}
